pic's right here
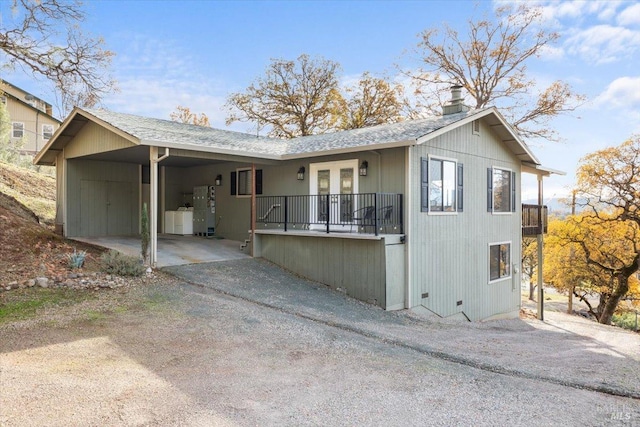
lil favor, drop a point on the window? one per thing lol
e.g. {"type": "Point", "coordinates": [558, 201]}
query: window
{"type": "Point", "coordinates": [241, 182]}
{"type": "Point", "coordinates": [501, 190]}
{"type": "Point", "coordinates": [499, 261]}
{"type": "Point", "coordinates": [47, 131]}
{"type": "Point", "coordinates": [441, 181]}
{"type": "Point", "coordinates": [18, 130]}
{"type": "Point", "coordinates": [3, 99]}
{"type": "Point", "coordinates": [475, 127]}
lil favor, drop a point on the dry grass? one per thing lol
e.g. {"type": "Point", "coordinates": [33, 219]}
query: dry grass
{"type": "Point", "coordinates": [35, 190]}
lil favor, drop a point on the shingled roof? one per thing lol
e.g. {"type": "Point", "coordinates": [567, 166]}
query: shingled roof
{"type": "Point", "coordinates": [166, 133]}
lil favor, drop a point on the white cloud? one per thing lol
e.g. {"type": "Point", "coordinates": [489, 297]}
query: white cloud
{"type": "Point", "coordinates": [155, 77]}
{"type": "Point", "coordinates": [630, 15]}
{"type": "Point", "coordinates": [551, 53]}
{"type": "Point", "coordinates": [601, 44]}
{"type": "Point", "coordinates": [623, 92]}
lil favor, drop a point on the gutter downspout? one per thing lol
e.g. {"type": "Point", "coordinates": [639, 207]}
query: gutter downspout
{"type": "Point", "coordinates": [153, 220]}
{"type": "Point", "coordinates": [407, 225]}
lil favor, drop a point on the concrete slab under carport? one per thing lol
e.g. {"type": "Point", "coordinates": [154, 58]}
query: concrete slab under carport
{"type": "Point", "coordinates": [175, 249]}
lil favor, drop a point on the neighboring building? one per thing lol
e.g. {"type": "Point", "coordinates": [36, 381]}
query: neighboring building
{"type": "Point", "coordinates": [419, 213]}
{"type": "Point", "coordinates": [31, 117]}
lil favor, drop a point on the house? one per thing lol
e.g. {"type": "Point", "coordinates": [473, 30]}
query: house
{"type": "Point", "coordinates": [31, 117]}
{"type": "Point", "coordinates": [422, 213]}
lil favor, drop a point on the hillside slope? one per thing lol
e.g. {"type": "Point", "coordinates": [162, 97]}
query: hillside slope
{"type": "Point", "coordinates": [36, 191]}
{"type": "Point", "coordinates": [28, 246]}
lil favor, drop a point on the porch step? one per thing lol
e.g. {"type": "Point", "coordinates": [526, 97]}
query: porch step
{"type": "Point", "coordinates": [246, 242]}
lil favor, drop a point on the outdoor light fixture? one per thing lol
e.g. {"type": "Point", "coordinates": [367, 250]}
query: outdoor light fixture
{"type": "Point", "coordinates": [301, 173]}
{"type": "Point", "coordinates": [363, 168]}
{"type": "Point", "coordinates": [219, 180]}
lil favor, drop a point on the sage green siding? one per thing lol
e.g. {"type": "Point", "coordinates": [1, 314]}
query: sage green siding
{"type": "Point", "coordinates": [368, 269]}
{"type": "Point", "coordinates": [233, 213]}
{"type": "Point", "coordinates": [449, 254]}
{"type": "Point", "coordinates": [102, 198]}
{"type": "Point", "coordinates": [92, 139]}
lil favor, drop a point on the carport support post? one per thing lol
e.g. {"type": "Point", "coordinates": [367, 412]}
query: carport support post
{"type": "Point", "coordinates": [253, 206]}
{"type": "Point", "coordinates": [153, 205]}
{"type": "Point", "coordinates": [540, 238]}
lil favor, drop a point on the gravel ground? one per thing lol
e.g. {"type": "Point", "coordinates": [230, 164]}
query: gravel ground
{"type": "Point", "coordinates": [182, 355]}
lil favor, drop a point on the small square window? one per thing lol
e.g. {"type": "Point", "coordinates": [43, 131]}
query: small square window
{"type": "Point", "coordinates": [18, 130]}
{"type": "Point", "coordinates": [47, 131]}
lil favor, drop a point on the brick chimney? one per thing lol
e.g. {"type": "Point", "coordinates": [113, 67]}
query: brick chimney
{"type": "Point", "coordinates": [455, 105]}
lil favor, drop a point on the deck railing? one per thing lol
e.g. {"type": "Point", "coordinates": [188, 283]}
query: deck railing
{"type": "Point", "coordinates": [371, 213]}
{"type": "Point", "coordinates": [534, 220]}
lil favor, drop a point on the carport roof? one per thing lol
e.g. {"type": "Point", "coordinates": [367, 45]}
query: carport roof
{"type": "Point", "coordinates": [165, 133]}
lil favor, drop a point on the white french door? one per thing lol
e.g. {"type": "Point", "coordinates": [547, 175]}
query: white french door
{"type": "Point", "coordinates": [339, 180]}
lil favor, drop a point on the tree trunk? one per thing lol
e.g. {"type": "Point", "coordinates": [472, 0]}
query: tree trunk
{"type": "Point", "coordinates": [620, 290]}
{"type": "Point", "coordinates": [532, 290]}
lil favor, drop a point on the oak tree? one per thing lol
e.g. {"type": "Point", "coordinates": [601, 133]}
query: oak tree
{"type": "Point", "coordinates": [372, 101]}
{"type": "Point", "coordinates": [294, 98]}
{"type": "Point", "coordinates": [43, 37]}
{"type": "Point", "coordinates": [184, 115]}
{"type": "Point", "coordinates": [490, 62]}
{"type": "Point", "coordinates": [594, 255]}
{"type": "Point", "coordinates": [605, 239]}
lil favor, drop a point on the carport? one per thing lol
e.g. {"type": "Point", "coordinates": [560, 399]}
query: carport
{"type": "Point", "coordinates": [175, 250]}
{"type": "Point", "coordinates": [109, 165]}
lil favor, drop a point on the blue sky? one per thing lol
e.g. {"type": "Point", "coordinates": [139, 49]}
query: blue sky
{"type": "Point", "coordinates": [195, 53]}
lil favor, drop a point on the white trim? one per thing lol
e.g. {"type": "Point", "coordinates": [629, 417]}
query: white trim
{"type": "Point", "coordinates": [503, 278]}
{"type": "Point", "coordinates": [333, 166]}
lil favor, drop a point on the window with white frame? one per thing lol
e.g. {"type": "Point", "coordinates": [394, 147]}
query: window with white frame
{"type": "Point", "coordinates": [47, 131]}
{"type": "Point", "coordinates": [18, 130]}
{"type": "Point", "coordinates": [501, 190]}
{"type": "Point", "coordinates": [442, 185]}
{"type": "Point", "coordinates": [499, 261]}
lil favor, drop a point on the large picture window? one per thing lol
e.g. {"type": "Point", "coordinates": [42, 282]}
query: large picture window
{"type": "Point", "coordinates": [499, 261]}
{"type": "Point", "coordinates": [501, 190]}
{"type": "Point", "coordinates": [442, 181]}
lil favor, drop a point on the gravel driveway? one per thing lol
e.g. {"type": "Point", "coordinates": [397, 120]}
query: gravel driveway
{"type": "Point", "coordinates": [244, 343]}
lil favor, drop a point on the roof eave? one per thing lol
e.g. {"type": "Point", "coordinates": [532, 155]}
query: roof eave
{"type": "Point", "coordinates": [537, 169]}
{"type": "Point", "coordinates": [515, 143]}
{"type": "Point", "coordinates": [52, 146]}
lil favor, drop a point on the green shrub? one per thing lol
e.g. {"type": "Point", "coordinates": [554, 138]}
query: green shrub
{"type": "Point", "coordinates": [625, 320]}
{"type": "Point", "coordinates": [144, 236]}
{"type": "Point", "coordinates": [76, 259]}
{"type": "Point", "coordinates": [114, 262]}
